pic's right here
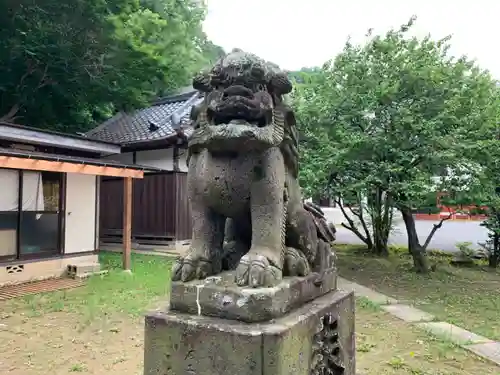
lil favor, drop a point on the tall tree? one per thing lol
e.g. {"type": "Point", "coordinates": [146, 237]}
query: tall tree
{"type": "Point", "coordinates": [66, 65]}
{"type": "Point", "coordinates": [211, 52]}
{"type": "Point", "coordinates": [485, 191]}
{"type": "Point", "coordinates": [396, 110]}
{"type": "Point", "coordinates": [304, 75]}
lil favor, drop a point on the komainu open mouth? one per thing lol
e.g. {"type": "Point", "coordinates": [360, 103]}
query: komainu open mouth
{"type": "Point", "coordinates": [239, 105]}
{"type": "Point", "coordinates": [241, 110]}
{"type": "Point", "coordinates": [237, 116]}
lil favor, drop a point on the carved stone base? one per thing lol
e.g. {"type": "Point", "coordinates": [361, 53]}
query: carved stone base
{"type": "Point", "coordinates": [219, 296]}
{"type": "Point", "coordinates": [315, 339]}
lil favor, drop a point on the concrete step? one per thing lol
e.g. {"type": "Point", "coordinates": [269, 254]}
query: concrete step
{"type": "Point", "coordinates": [80, 269]}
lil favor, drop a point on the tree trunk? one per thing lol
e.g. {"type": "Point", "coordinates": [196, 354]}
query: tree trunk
{"type": "Point", "coordinates": [351, 225]}
{"type": "Point", "coordinates": [417, 251]}
{"type": "Point", "coordinates": [380, 244]}
{"type": "Point", "coordinates": [494, 258]}
{"type": "Point", "coordinates": [379, 224]}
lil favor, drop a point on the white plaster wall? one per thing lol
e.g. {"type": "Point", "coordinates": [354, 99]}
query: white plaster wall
{"type": "Point", "coordinates": [156, 158]}
{"type": "Point", "coordinates": [335, 215]}
{"type": "Point", "coordinates": [163, 159]}
{"type": "Point", "coordinates": [183, 160]}
{"type": "Point", "coordinates": [126, 158]}
{"type": "Point", "coordinates": [80, 228]}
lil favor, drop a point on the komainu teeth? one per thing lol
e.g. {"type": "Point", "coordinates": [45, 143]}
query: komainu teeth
{"type": "Point", "coordinates": [238, 122]}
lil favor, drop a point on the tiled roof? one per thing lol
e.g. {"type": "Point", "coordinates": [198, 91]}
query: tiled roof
{"type": "Point", "coordinates": [163, 119]}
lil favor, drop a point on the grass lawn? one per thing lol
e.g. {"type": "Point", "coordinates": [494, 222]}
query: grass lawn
{"type": "Point", "coordinates": [116, 292]}
{"type": "Point", "coordinates": [98, 329]}
{"type": "Point", "coordinates": [467, 297]}
{"type": "Point", "coordinates": [386, 345]}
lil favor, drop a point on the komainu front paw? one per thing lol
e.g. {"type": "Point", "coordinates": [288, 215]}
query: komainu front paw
{"type": "Point", "coordinates": [256, 271]}
{"type": "Point", "coordinates": [195, 266]}
{"type": "Point", "coordinates": [296, 263]}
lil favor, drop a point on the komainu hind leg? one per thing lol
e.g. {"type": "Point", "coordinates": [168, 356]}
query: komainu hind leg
{"type": "Point", "coordinates": [296, 264]}
{"type": "Point", "coordinates": [308, 237]}
{"type": "Point", "coordinates": [301, 234]}
{"type": "Point", "coordinates": [325, 257]}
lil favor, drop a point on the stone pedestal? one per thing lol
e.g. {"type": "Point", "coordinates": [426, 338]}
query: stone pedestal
{"type": "Point", "coordinates": [300, 327]}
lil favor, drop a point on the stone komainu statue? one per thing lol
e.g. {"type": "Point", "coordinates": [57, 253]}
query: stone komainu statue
{"type": "Point", "coordinates": [247, 209]}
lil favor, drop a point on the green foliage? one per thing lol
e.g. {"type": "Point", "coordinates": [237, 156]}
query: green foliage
{"type": "Point", "coordinates": [395, 110]}
{"type": "Point", "coordinates": [67, 65]}
{"type": "Point", "coordinates": [387, 116]}
{"type": "Point", "coordinates": [304, 75]}
{"type": "Point", "coordinates": [485, 191]}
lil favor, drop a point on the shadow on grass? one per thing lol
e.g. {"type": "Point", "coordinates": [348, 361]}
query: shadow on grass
{"type": "Point", "coordinates": [468, 297]}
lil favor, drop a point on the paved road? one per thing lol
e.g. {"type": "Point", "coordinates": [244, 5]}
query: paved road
{"type": "Point", "coordinates": [445, 238]}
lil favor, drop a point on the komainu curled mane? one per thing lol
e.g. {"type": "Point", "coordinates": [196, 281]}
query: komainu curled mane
{"type": "Point", "coordinates": [247, 209]}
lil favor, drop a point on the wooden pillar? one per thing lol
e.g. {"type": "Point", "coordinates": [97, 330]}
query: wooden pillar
{"type": "Point", "coordinates": [176, 158]}
{"type": "Point", "coordinates": [127, 222]}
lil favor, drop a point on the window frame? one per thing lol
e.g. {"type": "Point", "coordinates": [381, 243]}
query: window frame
{"type": "Point", "coordinates": [19, 227]}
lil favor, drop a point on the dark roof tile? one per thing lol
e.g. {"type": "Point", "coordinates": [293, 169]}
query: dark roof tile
{"type": "Point", "coordinates": [155, 122]}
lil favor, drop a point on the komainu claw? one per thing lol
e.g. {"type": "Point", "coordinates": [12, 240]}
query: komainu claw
{"type": "Point", "coordinates": [256, 271]}
{"type": "Point", "coordinates": [187, 269]}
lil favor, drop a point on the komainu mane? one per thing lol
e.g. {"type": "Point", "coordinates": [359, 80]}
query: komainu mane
{"type": "Point", "coordinates": [247, 210]}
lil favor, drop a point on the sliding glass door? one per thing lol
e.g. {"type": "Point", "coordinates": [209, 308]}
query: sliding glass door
{"type": "Point", "coordinates": [9, 213]}
{"type": "Point", "coordinates": [40, 217]}
{"type": "Point", "coordinates": [31, 214]}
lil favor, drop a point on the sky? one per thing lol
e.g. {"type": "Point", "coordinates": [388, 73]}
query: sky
{"type": "Point", "coordinates": [302, 33]}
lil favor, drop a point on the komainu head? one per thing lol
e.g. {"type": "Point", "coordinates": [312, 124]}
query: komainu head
{"type": "Point", "coordinates": [241, 110]}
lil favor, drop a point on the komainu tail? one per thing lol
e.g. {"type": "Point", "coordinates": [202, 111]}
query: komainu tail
{"type": "Point", "coordinates": [326, 231]}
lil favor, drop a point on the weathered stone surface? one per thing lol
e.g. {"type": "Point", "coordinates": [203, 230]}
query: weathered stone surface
{"type": "Point", "coordinates": [219, 296]}
{"type": "Point", "coordinates": [246, 204]}
{"type": "Point", "coordinates": [489, 351]}
{"type": "Point", "coordinates": [408, 313]}
{"type": "Point", "coordinates": [180, 344]}
{"type": "Point", "coordinates": [453, 333]}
